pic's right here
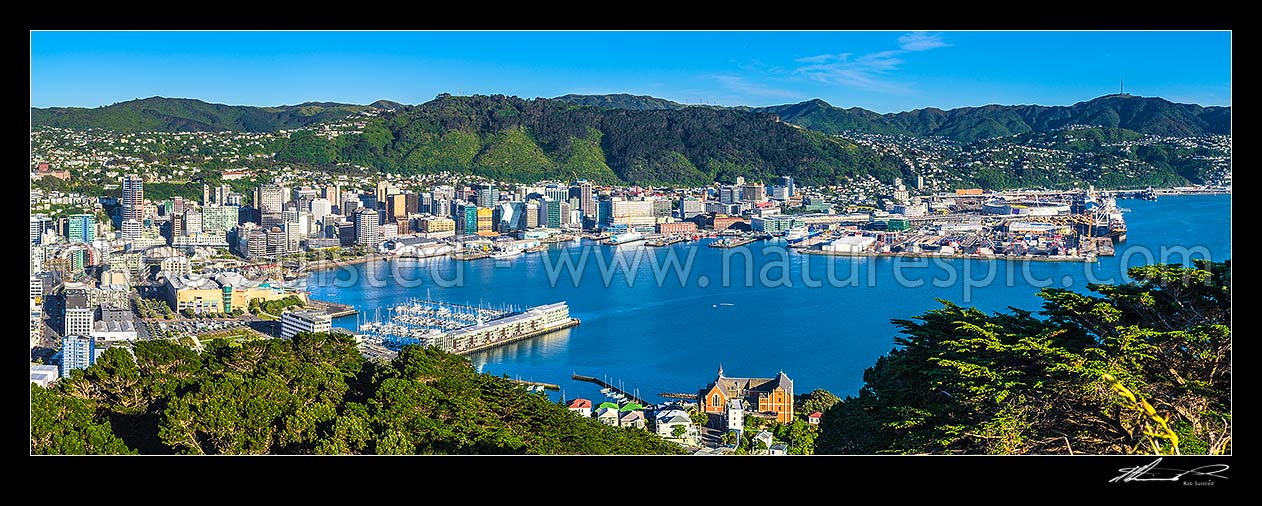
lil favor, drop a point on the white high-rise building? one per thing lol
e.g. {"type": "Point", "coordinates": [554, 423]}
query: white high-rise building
{"type": "Point", "coordinates": [293, 322]}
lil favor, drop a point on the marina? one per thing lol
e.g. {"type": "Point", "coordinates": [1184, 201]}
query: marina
{"type": "Point", "coordinates": [462, 329]}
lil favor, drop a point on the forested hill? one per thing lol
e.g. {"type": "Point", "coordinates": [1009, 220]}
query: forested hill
{"type": "Point", "coordinates": [510, 138]}
{"type": "Point", "coordinates": [313, 394]}
{"type": "Point", "coordinates": [1149, 115]}
{"type": "Point", "coordinates": [188, 115]}
{"type": "Point", "coordinates": [622, 101]}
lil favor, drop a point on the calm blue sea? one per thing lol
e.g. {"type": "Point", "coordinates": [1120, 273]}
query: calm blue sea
{"type": "Point", "coordinates": [671, 338]}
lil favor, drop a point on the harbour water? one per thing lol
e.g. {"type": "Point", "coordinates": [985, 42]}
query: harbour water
{"type": "Point", "coordinates": [672, 338]}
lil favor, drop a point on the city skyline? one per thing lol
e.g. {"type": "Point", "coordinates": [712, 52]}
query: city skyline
{"type": "Point", "coordinates": [884, 71]}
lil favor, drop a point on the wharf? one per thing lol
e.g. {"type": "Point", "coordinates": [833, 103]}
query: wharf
{"type": "Point", "coordinates": [665, 241]}
{"type": "Point", "coordinates": [470, 256]}
{"type": "Point", "coordinates": [733, 242]}
{"type": "Point", "coordinates": [546, 386]}
{"type": "Point", "coordinates": [332, 309]}
{"type": "Point", "coordinates": [675, 395]}
{"type": "Point", "coordinates": [598, 381]}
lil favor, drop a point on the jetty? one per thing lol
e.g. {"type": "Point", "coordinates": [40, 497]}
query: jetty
{"type": "Point", "coordinates": [629, 396]}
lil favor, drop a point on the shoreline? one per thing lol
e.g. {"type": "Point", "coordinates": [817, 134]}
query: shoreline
{"type": "Point", "coordinates": [1036, 258]}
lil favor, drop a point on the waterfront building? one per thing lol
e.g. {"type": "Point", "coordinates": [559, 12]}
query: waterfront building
{"type": "Point", "coordinates": [304, 320]}
{"type": "Point", "coordinates": [771, 398]}
{"type": "Point", "coordinates": [581, 406]}
{"type": "Point", "coordinates": [534, 321]}
{"type": "Point", "coordinates": [219, 292]}
{"type": "Point", "coordinates": [436, 227]}
{"type": "Point", "coordinates": [77, 352]}
{"type": "Point", "coordinates": [682, 227]}
{"type": "Point", "coordinates": [484, 220]}
{"type": "Point", "coordinates": [466, 216]}
{"type": "Point", "coordinates": [366, 228]}
{"type": "Point", "coordinates": [774, 224]}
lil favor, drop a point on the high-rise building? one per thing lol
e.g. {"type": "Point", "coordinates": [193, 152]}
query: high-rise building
{"type": "Point", "coordinates": [205, 194]}
{"type": "Point", "coordinates": [563, 207]}
{"type": "Point", "coordinates": [133, 198]}
{"type": "Point", "coordinates": [586, 199]}
{"type": "Point", "coordinates": [550, 213]}
{"type": "Point", "coordinates": [350, 205]}
{"type": "Point", "coordinates": [78, 351]}
{"type": "Point", "coordinates": [221, 194]}
{"type": "Point", "coordinates": [320, 208]}
{"type": "Point", "coordinates": [532, 214]}
{"type": "Point", "coordinates": [192, 222]}
{"type": "Point", "coordinates": [397, 206]}
{"type": "Point", "coordinates": [132, 229]}
{"type": "Point", "coordinates": [333, 193]}
{"type": "Point", "coordinates": [77, 313]}
{"type": "Point", "coordinates": [220, 218]}
{"type": "Point", "coordinates": [39, 223]}
{"type": "Point", "coordinates": [466, 216]}
{"type": "Point", "coordinates": [486, 222]}
{"type": "Point", "coordinates": [304, 320]}
{"type": "Point", "coordinates": [787, 182]}
{"type": "Point", "coordinates": [556, 192]}
{"type": "Point", "coordinates": [271, 201]}
{"type": "Point", "coordinates": [753, 193]}
{"type": "Point", "coordinates": [488, 195]}
{"type": "Point", "coordinates": [366, 224]}
{"type": "Point", "coordinates": [728, 194]}
{"type": "Point", "coordinates": [81, 228]}
{"type": "Point", "coordinates": [689, 207]}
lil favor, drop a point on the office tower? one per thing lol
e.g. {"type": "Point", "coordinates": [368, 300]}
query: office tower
{"type": "Point", "coordinates": [133, 198]}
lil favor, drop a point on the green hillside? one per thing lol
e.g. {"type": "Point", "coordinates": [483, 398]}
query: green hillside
{"type": "Point", "coordinates": [188, 115]}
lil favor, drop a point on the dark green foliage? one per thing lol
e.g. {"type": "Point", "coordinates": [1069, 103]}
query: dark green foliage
{"type": "Point", "coordinates": [187, 115]}
{"type": "Point", "coordinates": [67, 425]}
{"type": "Point", "coordinates": [818, 400]}
{"type": "Point", "coordinates": [527, 140]}
{"type": "Point", "coordinates": [621, 101]}
{"type": "Point", "coordinates": [963, 381]}
{"type": "Point", "coordinates": [313, 394]}
{"type": "Point", "coordinates": [1141, 114]}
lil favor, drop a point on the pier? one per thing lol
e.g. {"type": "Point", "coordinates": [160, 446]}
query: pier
{"type": "Point", "coordinates": [537, 384]}
{"type": "Point", "coordinates": [332, 309]}
{"type": "Point", "coordinates": [733, 242]}
{"type": "Point", "coordinates": [665, 241]}
{"type": "Point", "coordinates": [675, 395]}
{"type": "Point", "coordinates": [598, 381]}
{"type": "Point", "coordinates": [471, 255]}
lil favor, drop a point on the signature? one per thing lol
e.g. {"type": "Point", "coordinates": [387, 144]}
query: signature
{"type": "Point", "coordinates": [1151, 472]}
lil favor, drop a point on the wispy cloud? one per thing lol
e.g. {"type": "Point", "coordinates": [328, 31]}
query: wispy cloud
{"type": "Point", "coordinates": [867, 71]}
{"type": "Point", "coordinates": [920, 41]}
{"type": "Point", "coordinates": [741, 85]}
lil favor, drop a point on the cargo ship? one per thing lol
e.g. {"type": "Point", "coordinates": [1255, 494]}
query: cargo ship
{"type": "Point", "coordinates": [1104, 218]}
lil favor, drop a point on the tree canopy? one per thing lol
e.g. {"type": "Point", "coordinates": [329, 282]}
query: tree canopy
{"type": "Point", "coordinates": [314, 394]}
{"type": "Point", "coordinates": [1142, 368]}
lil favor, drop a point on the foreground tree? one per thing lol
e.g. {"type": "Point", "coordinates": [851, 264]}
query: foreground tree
{"type": "Point", "coordinates": [1145, 368]}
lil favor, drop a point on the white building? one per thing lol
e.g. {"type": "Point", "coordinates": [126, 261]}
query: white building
{"type": "Point", "coordinates": [664, 423]}
{"type": "Point", "coordinates": [115, 325]}
{"type": "Point", "coordinates": [293, 322]}
{"type": "Point", "coordinates": [850, 244]}
{"type": "Point", "coordinates": [43, 375]}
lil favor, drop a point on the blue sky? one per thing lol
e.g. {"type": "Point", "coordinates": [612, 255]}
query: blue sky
{"type": "Point", "coordinates": [884, 71]}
